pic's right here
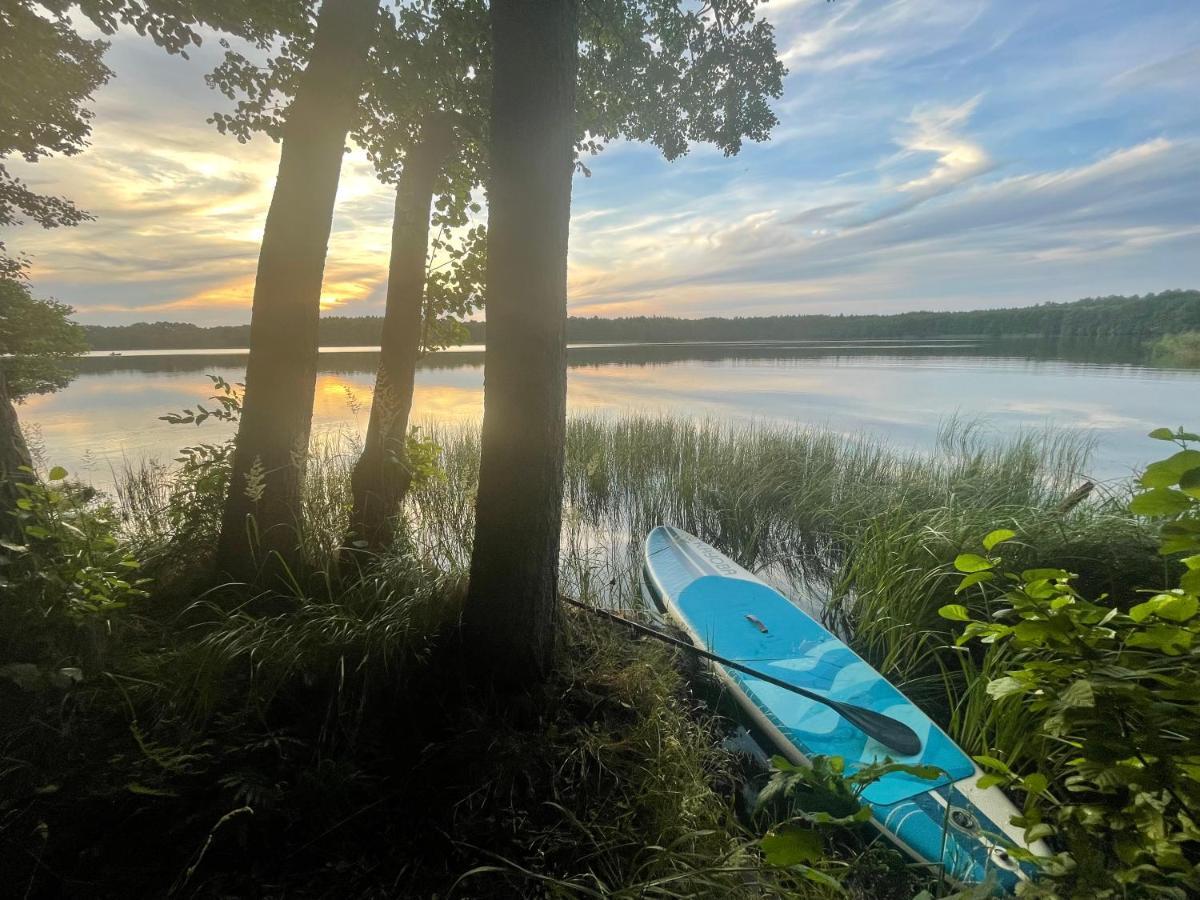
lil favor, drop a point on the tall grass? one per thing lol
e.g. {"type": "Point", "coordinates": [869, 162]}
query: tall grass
{"type": "Point", "coordinates": [856, 531]}
{"type": "Point", "coordinates": [341, 693]}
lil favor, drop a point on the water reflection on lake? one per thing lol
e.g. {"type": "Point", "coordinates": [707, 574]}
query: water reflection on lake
{"type": "Point", "coordinates": [898, 391]}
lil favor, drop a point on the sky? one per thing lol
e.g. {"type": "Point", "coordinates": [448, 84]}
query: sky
{"type": "Point", "coordinates": [930, 154]}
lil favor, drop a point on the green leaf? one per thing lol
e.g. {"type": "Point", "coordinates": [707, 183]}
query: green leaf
{"type": "Point", "coordinates": [972, 562]}
{"type": "Point", "coordinates": [1170, 639]}
{"type": "Point", "coordinates": [1035, 783]}
{"type": "Point", "coordinates": [1160, 502]}
{"type": "Point", "coordinates": [1162, 434]}
{"type": "Point", "coordinates": [1142, 611]}
{"type": "Point", "coordinates": [816, 876]}
{"type": "Point", "coordinates": [956, 612]}
{"type": "Point", "coordinates": [1189, 481]}
{"type": "Point", "coordinates": [973, 579]}
{"type": "Point", "coordinates": [1167, 472]}
{"type": "Point", "coordinates": [1078, 695]}
{"type": "Point", "coordinates": [999, 536]}
{"type": "Point", "coordinates": [1190, 581]}
{"type": "Point", "coordinates": [1032, 631]}
{"type": "Point", "coordinates": [1038, 832]}
{"type": "Point", "coordinates": [987, 781]}
{"type": "Point", "coordinates": [1045, 575]}
{"type": "Point", "coordinates": [135, 788]}
{"type": "Point", "coordinates": [1176, 607]}
{"type": "Point", "coordinates": [990, 762]}
{"type": "Point", "coordinates": [1007, 686]}
{"type": "Point", "coordinates": [791, 845]}
{"type": "Point", "coordinates": [58, 473]}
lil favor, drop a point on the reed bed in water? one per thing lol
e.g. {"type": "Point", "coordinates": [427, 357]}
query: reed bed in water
{"type": "Point", "coordinates": [322, 689]}
{"type": "Point", "coordinates": [862, 532]}
{"type": "Point", "coordinates": [857, 531]}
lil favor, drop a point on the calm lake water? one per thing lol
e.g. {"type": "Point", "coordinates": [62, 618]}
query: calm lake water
{"type": "Point", "coordinates": [899, 392]}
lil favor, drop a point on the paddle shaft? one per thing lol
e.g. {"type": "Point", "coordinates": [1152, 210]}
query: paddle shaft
{"type": "Point", "coordinates": [905, 740]}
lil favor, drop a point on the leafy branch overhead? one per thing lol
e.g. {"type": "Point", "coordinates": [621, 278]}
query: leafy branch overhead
{"type": "Point", "coordinates": [649, 71]}
{"type": "Point", "coordinates": [49, 72]}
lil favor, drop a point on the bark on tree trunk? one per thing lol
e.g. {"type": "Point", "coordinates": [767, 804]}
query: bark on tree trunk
{"type": "Point", "coordinates": [512, 602]}
{"type": "Point", "coordinates": [272, 441]}
{"type": "Point", "coordinates": [381, 477]}
{"type": "Point", "coordinates": [14, 453]}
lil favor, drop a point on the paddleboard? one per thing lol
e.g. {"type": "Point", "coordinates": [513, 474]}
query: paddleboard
{"type": "Point", "coordinates": [725, 609]}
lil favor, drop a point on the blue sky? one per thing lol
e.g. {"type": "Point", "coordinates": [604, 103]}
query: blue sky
{"type": "Point", "coordinates": [931, 154]}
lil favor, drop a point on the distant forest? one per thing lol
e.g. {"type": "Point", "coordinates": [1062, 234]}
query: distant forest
{"type": "Point", "coordinates": [1139, 317]}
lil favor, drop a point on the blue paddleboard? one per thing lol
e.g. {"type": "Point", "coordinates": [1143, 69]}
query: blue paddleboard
{"type": "Point", "coordinates": [725, 609]}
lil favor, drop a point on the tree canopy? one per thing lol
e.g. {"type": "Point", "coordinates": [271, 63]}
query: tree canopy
{"type": "Point", "coordinates": [49, 71]}
{"type": "Point", "coordinates": [37, 337]}
{"type": "Point", "coordinates": [1145, 316]}
{"type": "Point", "coordinates": [649, 70]}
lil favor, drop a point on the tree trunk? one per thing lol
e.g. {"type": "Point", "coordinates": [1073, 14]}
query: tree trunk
{"type": "Point", "coordinates": [512, 603]}
{"type": "Point", "coordinates": [381, 476]}
{"type": "Point", "coordinates": [272, 441]}
{"type": "Point", "coordinates": [14, 453]}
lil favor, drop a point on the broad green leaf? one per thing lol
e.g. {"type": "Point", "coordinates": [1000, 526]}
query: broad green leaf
{"type": "Point", "coordinates": [1170, 639]}
{"type": "Point", "coordinates": [1160, 502]}
{"type": "Point", "coordinates": [58, 473]}
{"type": "Point", "coordinates": [973, 579]}
{"type": "Point", "coordinates": [1176, 607]}
{"type": "Point", "coordinates": [1007, 686]}
{"type": "Point", "coordinates": [1166, 434]}
{"type": "Point", "coordinates": [1167, 472]}
{"type": "Point", "coordinates": [1032, 631]}
{"type": "Point", "coordinates": [1189, 481]}
{"type": "Point", "coordinates": [1038, 832]}
{"type": "Point", "coordinates": [1190, 581]}
{"type": "Point", "coordinates": [999, 536]}
{"type": "Point", "coordinates": [987, 781]}
{"type": "Point", "coordinates": [791, 845]}
{"type": "Point", "coordinates": [1078, 695]}
{"type": "Point", "coordinates": [1035, 783]}
{"type": "Point", "coordinates": [972, 562]}
{"type": "Point", "coordinates": [955, 612]}
{"type": "Point", "coordinates": [1045, 575]}
{"type": "Point", "coordinates": [1142, 611]}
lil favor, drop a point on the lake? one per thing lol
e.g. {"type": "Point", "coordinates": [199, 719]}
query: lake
{"type": "Point", "coordinates": [896, 391]}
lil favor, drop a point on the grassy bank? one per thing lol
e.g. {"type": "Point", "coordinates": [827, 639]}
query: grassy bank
{"type": "Point", "coordinates": [321, 741]}
{"type": "Point", "coordinates": [1181, 349]}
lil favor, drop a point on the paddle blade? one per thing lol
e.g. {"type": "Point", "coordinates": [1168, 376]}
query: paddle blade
{"type": "Point", "coordinates": [892, 733]}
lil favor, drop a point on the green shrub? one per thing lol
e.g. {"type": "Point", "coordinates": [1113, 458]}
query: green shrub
{"type": "Point", "coordinates": [1178, 349]}
{"type": "Point", "coordinates": [66, 583]}
{"type": "Point", "coordinates": [1113, 689]}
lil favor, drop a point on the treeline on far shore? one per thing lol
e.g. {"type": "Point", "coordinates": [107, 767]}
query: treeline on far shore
{"type": "Point", "coordinates": [1148, 316]}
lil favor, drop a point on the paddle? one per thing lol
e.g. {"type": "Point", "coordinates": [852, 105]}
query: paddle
{"type": "Point", "coordinates": [888, 731]}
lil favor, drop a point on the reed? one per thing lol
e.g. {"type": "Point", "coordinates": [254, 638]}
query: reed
{"type": "Point", "coordinates": [607, 782]}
